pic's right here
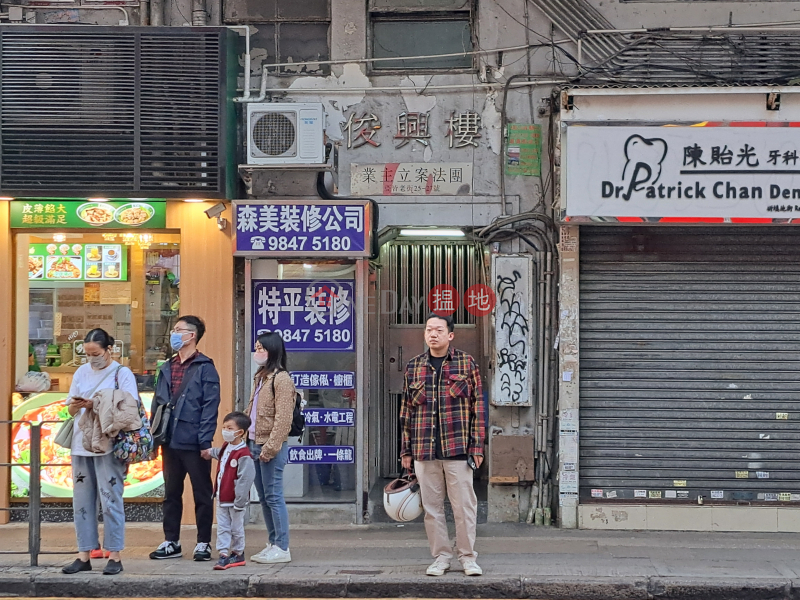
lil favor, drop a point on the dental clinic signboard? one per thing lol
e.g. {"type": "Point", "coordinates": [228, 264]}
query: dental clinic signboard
{"type": "Point", "coordinates": [682, 173]}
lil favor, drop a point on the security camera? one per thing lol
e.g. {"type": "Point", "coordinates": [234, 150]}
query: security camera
{"type": "Point", "coordinates": [215, 211]}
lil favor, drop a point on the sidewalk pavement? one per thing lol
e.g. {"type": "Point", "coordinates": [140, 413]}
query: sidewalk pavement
{"type": "Point", "coordinates": [519, 561]}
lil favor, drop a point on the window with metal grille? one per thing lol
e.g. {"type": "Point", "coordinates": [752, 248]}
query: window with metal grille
{"type": "Point", "coordinates": [411, 28]}
{"type": "Point", "coordinates": [287, 30]}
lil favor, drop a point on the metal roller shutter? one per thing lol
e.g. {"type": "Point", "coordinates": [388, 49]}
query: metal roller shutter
{"type": "Point", "coordinates": [690, 364]}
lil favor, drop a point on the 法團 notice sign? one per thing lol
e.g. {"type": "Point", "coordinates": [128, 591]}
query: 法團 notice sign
{"type": "Point", "coordinates": [411, 179]}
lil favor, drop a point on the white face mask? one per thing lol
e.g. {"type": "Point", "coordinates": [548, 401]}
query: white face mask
{"type": "Point", "coordinates": [98, 362]}
{"type": "Point", "coordinates": [229, 436]}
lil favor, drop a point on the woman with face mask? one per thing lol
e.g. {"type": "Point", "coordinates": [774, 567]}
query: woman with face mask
{"type": "Point", "coordinates": [270, 410]}
{"type": "Point", "coordinates": [97, 477]}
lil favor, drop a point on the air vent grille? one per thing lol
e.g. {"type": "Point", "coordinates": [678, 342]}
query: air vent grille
{"type": "Point", "coordinates": [92, 110]}
{"type": "Point", "coordinates": [274, 134]}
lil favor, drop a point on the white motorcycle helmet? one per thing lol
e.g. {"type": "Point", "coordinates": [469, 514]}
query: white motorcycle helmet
{"type": "Point", "coordinates": [402, 499]}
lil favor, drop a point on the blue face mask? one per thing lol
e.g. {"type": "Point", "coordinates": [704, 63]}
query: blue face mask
{"type": "Point", "coordinates": [176, 341]}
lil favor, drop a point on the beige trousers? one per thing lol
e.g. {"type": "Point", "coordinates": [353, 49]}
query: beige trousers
{"type": "Point", "coordinates": [453, 478]}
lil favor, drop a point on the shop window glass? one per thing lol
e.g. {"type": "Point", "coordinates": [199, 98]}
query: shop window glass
{"type": "Point", "coordinates": [326, 380]}
{"type": "Point", "coordinates": [126, 283]}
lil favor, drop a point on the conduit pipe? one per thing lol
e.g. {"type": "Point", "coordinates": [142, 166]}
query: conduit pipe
{"type": "Point", "coordinates": [125, 23]}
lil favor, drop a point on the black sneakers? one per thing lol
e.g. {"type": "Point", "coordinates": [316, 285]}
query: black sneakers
{"type": "Point", "coordinates": [114, 567]}
{"type": "Point", "coordinates": [173, 550]}
{"type": "Point", "coordinates": [202, 551]}
{"type": "Point", "coordinates": [168, 550]}
{"type": "Point", "coordinates": [77, 567]}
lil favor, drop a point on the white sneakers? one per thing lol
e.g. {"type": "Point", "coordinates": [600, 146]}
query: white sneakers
{"type": "Point", "coordinates": [261, 555]}
{"type": "Point", "coordinates": [272, 555]}
{"type": "Point", "coordinates": [472, 569]}
{"type": "Point", "coordinates": [440, 567]}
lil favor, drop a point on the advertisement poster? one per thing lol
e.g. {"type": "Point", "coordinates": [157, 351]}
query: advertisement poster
{"type": "Point", "coordinates": [144, 479]}
{"type": "Point", "coordinates": [77, 262]}
{"type": "Point", "coordinates": [310, 315]}
{"type": "Point", "coordinates": [309, 455]}
{"type": "Point", "coordinates": [323, 380]}
{"type": "Point", "coordinates": [524, 149]}
{"type": "Point", "coordinates": [105, 214]}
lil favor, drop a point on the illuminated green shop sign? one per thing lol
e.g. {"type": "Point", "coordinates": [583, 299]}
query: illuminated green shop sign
{"type": "Point", "coordinates": [107, 214]}
{"type": "Point", "coordinates": [77, 262]}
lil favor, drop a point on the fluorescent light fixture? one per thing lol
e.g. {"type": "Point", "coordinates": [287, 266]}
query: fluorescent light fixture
{"type": "Point", "coordinates": [97, 199]}
{"type": "Point", "coordinates": [432, 232]}
{"type": "Point", "coordinates": [307, 266]}
{"type": "Point", "coordinates": [6, 198]}
{"type": "Point", "coordinates": [193, 200]}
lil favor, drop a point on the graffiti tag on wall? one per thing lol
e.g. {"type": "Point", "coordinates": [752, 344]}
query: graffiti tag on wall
{"type": "Point", "coordinates": [514, 356]}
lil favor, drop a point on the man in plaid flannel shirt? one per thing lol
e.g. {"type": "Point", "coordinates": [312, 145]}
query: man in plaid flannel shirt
{"type": "Point", "coordinates": [443, 429]}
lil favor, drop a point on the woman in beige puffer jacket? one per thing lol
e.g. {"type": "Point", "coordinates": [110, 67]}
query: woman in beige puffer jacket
{"type": "Point", "coordinates": [271, 409]}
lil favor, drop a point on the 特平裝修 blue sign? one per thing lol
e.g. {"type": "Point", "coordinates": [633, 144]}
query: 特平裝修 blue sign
{"type": "Point", "coordinates": [303, 228]}
{"type": "Point", "coordinates": [320, 455]}
{"type": "Point", "coordinates": [310, 315]}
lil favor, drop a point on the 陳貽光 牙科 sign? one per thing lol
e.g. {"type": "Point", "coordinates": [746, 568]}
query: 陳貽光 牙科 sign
{"type": "Point", "coordinates": [303, 228]}
{"type": "Point", "coordinates": [682, 172]}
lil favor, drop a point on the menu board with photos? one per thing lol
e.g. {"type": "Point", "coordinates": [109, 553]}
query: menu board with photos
{"type": "Point", "coordinates": [77, 262]}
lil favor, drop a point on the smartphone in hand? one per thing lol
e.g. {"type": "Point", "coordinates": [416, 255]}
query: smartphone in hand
{"type": "Point", "coordinates": [471, 463]}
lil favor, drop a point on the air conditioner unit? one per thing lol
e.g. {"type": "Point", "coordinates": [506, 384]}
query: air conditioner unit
{"type": "Point", "coordinates": [285, 134]}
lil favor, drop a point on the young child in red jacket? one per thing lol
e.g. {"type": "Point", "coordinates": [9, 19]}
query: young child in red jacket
{"type": "Point", "coordinates": [235, 475]}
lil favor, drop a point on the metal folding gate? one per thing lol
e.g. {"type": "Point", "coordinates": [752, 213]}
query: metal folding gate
{"type": "Point", "coordinates": [409, 271]}
{"type": "Point", "coordinates": [690, 364]}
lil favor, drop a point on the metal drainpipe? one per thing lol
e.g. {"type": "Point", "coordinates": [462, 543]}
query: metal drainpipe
{"type": "Point", "coordinates": [157, 13]}
{"type": "Point", "coordinates": [215, 15]}
{"type": "Point", "coordinates": [199, 14]}
{"type": "Point", "coordinates": [144, 12]}
{"type": "Point", "coordinates": [262, 94]}
{"type": "Point", "coordinates": [246, 92]}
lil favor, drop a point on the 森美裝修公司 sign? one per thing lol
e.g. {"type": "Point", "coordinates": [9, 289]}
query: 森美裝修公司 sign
{"type": "Point", "coordinates": [683, 172]}
{"type": "Point", "coordinates": [303, 228]}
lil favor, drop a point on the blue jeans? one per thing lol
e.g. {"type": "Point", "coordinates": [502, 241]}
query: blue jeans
{"type": "Point", "coordinates": [269, 485]}
{"type": "Point", "coordinates": [103, 477]}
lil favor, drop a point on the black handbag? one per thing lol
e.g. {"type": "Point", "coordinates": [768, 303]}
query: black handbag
{"type": "Point", "coordinates": [159, 427]}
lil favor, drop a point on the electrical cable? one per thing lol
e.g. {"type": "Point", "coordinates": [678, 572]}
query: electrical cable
{"type": "Point", "coordinates": [419, 56]}
{"type": "Point", "coordinates": [324, 193]}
